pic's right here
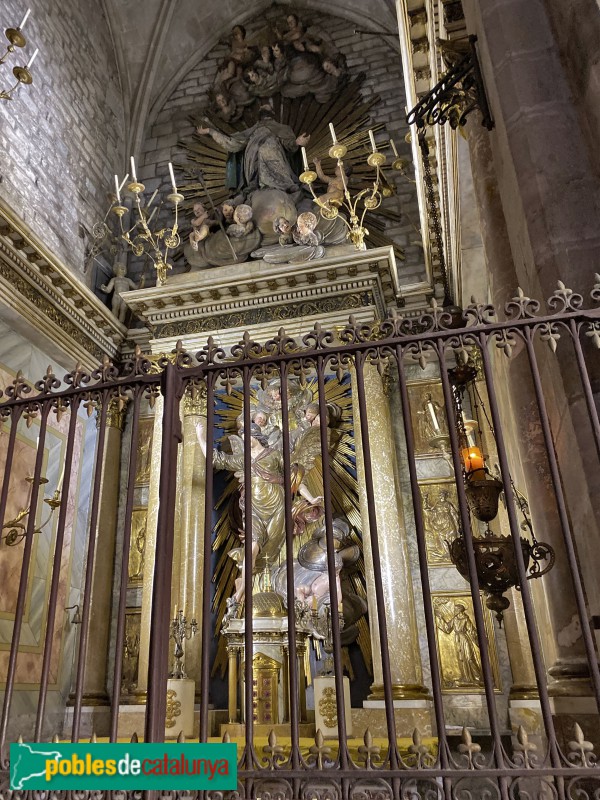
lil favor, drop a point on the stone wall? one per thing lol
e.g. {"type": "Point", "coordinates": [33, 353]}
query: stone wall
{"type": "Point", "coordinates": [377, 56]}
{"type": "Point", "coordinates": [61, 139]}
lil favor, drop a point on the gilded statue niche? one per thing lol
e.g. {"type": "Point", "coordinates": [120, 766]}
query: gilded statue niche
{"type": "Point", "coordinates": [458, 648]}
{"type": "Point", "coordinates": [441, 519]}
{"type": "Point", "coordinates": [429, 421]}
{"type": "Point", "coordinates": [138, 544]}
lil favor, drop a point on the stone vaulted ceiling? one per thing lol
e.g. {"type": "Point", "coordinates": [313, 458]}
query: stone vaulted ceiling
{"type": "Point", "coordinates": [158, 41]}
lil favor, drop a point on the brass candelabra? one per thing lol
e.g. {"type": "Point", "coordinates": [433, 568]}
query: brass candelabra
{"type": "Point", "coordinates": [155, 244]}
{"type": "Point", "coordinates": [370, 197]}
{"type": "Point", "coordinates": [22, 74]}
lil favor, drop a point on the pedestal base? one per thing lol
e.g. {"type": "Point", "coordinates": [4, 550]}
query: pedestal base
{"type": "Point", "coordinates": [326, 719]}
{"type": "Point", "coordinates": [237, 730]}
{"type": "Point", "coordinates": [180, 708]}
{"type": "Point", "coordinates": [408, 714]}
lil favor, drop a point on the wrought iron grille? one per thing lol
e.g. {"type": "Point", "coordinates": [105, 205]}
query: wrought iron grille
{"type": "Point", "coordinates": [286, 767]}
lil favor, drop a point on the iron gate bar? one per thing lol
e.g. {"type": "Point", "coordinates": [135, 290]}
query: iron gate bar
{"type": "Point", "coordinates": [563, 517]}
{"type": "Point", "coordinates": [488, 680]}
{"type": "Point", "coordinates": [158, 658]}
{"type": "Point", "coordinates": [249, 758]}
{"type": "Point", "coordinates": [127, 524]}
{"type": "Point", "coordinates": [585, 382]}
{"type": "Point", "coordinates": [443, 750]}
{"type": "Point", "coordinates": [393, 755]}
{"type": "Point", "coordinates": [340, 700]}
{"type": "Point", "coordinates": [15, 415]}
{"type": "Point", "coordinates": [293, 689]}
{"type": "Point", "coordinates": [89, 567]}
{"type": "Point", "coordinates": [520, 561]}
{"type": "Point", "coordinates": [207, 553]}
{"type": "Point", "coordinates": [58, 546]}
{"type": "Point", "coordinates": [25, 564]}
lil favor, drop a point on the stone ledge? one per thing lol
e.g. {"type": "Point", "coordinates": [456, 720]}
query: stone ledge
{"type": "Point", "coordinates": [36, 286]}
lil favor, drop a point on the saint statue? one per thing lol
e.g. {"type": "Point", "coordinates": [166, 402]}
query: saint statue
{"type": "Point", "coordinates": [266, 146]}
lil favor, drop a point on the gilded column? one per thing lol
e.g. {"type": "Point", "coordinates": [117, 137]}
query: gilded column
{"type": "Point", "coordinates": [405, 659]}
{"type": "Point", "coordinates": [95, 674]}
{"type": "Point", "coordinates": [191, 561]}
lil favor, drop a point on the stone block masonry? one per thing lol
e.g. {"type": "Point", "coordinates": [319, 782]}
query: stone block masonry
{"type": "Point", "coordinates": [62, 138]}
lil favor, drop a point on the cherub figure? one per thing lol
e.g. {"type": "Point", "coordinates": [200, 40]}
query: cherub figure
{"type": "Point", "coordinates": [265, 63]}
{"type": "Point", "coordinates": [200, 224]}
{"type": "Point", "coordinates": [226, 108]}
{"type": "Point", "coordinates": [335, 185]}
{"type": "Point", "coordinates": [119, 283]}
{"type": "Point", "coordinates": [283, 227]}
{"type": "Point", "coordinates": [304, 230]}
{"type": "Point", "coordinates": [226, 211]}
{"type": "Point", "coordinates": [242, 222]}
{"type": "Point", "coordinates": [241, 52]}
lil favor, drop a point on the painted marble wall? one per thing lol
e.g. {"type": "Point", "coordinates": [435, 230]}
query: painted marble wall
{"type": "Point", "coordinates": [18, 354]}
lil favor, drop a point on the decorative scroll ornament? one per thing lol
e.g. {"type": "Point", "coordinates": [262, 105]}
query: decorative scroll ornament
{"type": "Point", "coordinates": [456, 95]}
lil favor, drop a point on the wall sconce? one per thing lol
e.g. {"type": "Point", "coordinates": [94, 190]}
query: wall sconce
{"type": "Point", "coordinates": [17, 527]}
{"type": "Point", "coordinates": [22, 74]}
{"type": "Point", "coordinates": [76, 618]}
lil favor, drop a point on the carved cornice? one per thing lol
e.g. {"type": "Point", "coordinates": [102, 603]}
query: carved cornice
{"type": "Point", "coordinates": [51, 299]}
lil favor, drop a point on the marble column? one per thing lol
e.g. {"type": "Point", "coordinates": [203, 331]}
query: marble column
{"type": "Point", "coordinates": [405, 659]}
{"type": "Point", "coordinates": [191, 560]}
{"type": "Point", "coordinates": [95, 674]}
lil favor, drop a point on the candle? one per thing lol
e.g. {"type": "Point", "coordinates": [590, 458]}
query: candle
{"type": "Point", "coordinates": [32, 59]}
{"type": "Point", "coordinates": [332, 131]}
{"type": "Point", "coordinates": [152, 198]}
{"type": "Point", "coordinates": [172, 174]}
{"type": "Point", "coordinates": [175, 611]}
{"type": "Point", "coordinates": [149, 220]}
{"type": "Point", "coordinates": [340, 607]}
{"type": "Point", "coordinates": [25, 18]}
{"type": "Point", "coordinates": [304, 159]}
{"type": "Point", "coordinates": [123, 182]}
{"type": "Point", "coordinates": [133, 175]}
{"type": "Point", "coordinates": [314, 602]}
{"type": "Point", "coordinates": [61, 479]}
{"type": "Point", "coordinates": [393, 146]}
{"type": "Point", "coordinates": [372, 138]}
{"type": "Point", "coordinates": [432, 414]}
{"type": "Point", "coordinates": [473, 459]}
{"type": "Point", "coordinates": [118, 188]}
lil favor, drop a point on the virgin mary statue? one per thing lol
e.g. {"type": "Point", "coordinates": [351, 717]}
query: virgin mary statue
{"type": "Point", "coordinates": [266, 146]}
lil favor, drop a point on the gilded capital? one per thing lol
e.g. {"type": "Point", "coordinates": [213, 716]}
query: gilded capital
{"type": "Point", "coordinates": [115, 415]}
{"type": "Point", "coordinates": [194, 400]}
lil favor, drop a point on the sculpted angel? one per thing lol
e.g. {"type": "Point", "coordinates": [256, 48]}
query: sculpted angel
{"type": "Point", "coordinates": [268, 509]}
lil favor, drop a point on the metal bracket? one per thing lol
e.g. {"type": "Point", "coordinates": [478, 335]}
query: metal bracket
{"type": "Point", "coordinates": [460, 91]}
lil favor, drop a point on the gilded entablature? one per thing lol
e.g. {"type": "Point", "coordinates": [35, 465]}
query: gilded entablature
{"type": "Point", "coordinates": [51, 299]}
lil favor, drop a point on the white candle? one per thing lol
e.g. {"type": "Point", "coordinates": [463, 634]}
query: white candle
{"type": "Point", "coordinates": [393, 146]}
{"type": "Point", "coordinates": [372, 138]}
{"type": "Point", "coordinates": [172, 174]}
{"type": "Point", "coordinates": [332, 131]}
{"type": "Point", "coordinates": [149, 220]}
{"type": "Point", "coordinates": [133, 175]}
{"type": "Point", "coordinates": [175, 611]}
{"type": "Point", "coordinates": [152, 198]}
{"type": "Point", "coordinates": [25, 18]}
{"type": "Point", "coordinates": [32, 59]}
{"type": "Point", "coordinates": [432, 414]}
{"type": "Point", "coordinates": [304, 159]}
{"type": "Point", "coordinates": [118, 188]}
{"type": "Point", "coordinates": [123, 182]}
